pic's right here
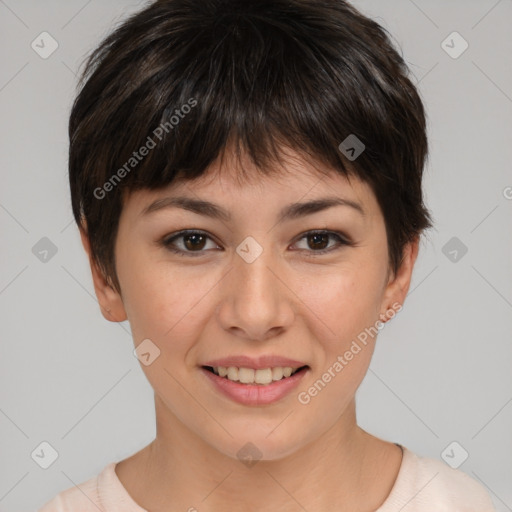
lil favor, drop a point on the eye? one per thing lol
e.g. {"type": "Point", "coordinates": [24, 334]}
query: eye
{"type": "Point", "coordinates": [191, 242]}
{"type": "Point", "coordinates": [318, 240]}
{"type": "Point", "coordinates": [194, 243]}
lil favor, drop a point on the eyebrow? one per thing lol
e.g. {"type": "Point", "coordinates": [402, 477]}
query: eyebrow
{"type": "Point", "coordinates": [289, 212]}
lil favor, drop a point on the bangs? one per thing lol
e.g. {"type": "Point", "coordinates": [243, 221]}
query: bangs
{"type": "Point", "coordinates": [180, 83]}
{"type": "Point", "coordinates": [246, 83]}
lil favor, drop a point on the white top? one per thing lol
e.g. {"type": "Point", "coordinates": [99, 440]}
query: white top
{"type": "Point", "coordinates": [422, 485]}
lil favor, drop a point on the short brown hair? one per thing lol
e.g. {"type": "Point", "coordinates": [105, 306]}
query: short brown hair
{"type": "Point", "coordinates": [260, 74]}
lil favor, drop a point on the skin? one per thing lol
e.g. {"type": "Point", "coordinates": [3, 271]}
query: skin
{"type": "Point", "coordinates": [195, 309]}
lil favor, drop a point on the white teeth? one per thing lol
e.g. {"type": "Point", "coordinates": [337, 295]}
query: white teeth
{"type": "Point", "coordinates": [232, 373]}
{"type": "Point", "coordinates": [277, 373]}
{"type": "Point", "coordinates": [263, 376]}
{"type": "Point", "coordinates": [246, 375]}
{"type": "Point", "coordinates": [251, 376]}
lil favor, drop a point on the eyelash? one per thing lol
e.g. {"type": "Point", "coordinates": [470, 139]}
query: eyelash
{"type": "Point", "coordinates": [340, 237]}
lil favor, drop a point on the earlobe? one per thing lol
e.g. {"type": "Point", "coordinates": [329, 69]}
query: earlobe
{"type": "Point", "coordinates": [398, 285]}
{"type": "Point", "coordinates": [110, 302]}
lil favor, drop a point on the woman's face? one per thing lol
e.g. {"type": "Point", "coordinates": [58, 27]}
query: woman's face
{"type": "Point", "coordinates": [255, 283]}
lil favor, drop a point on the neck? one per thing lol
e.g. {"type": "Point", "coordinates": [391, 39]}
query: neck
{"type": "Point", "coordinates": [341, 470]}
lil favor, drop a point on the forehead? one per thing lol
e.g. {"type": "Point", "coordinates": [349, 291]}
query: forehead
{"type": "Point", "coordinates": [236, 181]}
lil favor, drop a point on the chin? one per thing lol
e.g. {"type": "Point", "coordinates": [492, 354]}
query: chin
{"type": "Point", "coordinates": [258, 445]}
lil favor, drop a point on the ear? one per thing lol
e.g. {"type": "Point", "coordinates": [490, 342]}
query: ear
{"type": "Point", "coordinates": [398, 284]}
{"type": "Point", "coordinates": [111, 303]}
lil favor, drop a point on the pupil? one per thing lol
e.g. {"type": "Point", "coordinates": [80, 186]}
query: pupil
{"type": "Point", "coordinates": [317, 236]}
{"type": "Point", "coordinates": [195, 237]}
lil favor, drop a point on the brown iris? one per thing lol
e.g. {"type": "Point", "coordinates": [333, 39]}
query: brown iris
{"type": "Point", "coordinates": [319, 239]}
{"type": "Point", "coordinates": [194, 241]}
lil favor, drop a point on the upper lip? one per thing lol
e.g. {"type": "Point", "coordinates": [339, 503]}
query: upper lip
{"type": "Point", "coordinates": [259, 363]}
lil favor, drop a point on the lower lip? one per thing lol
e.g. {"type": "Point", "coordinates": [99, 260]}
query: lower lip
{"type": "Point", "coordinates": [255, 394]}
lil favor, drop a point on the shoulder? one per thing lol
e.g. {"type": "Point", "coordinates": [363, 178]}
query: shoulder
{"type": "Point", "coordinates": [83, 497]}
{"type": "Point", "coordinates": [423, 482]}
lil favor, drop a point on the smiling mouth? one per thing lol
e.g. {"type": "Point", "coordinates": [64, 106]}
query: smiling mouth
{"type": "Point", "coordinates": [264, 376]}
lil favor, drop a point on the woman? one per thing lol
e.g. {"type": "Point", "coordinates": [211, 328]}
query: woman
{"type": "Point", "coordinates": [247, 181]}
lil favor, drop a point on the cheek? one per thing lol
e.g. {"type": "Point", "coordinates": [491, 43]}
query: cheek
{"type": "Point", "coordinates": [345, 301]}
{"type": "Point", "coordinates": [347, 306]}
{"type": "Point", "coordinates": [164, 303]}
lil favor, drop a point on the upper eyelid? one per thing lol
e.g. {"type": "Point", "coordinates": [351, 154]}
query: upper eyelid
{"type": "Point", "coordinates": [179, 234]}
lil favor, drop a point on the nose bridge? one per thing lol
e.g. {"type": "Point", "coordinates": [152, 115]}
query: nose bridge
{"type": "Point", "coordinates": [254, 279]}
{"type": "Point", "coordinates": [255, 302]}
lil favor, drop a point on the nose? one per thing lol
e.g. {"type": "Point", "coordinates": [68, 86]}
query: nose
{"type": "Point", "coordinates": [256, 301]}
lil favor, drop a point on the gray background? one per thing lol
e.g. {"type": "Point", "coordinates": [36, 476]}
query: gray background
{"type": "Point", "coordinates": [442, 369]}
